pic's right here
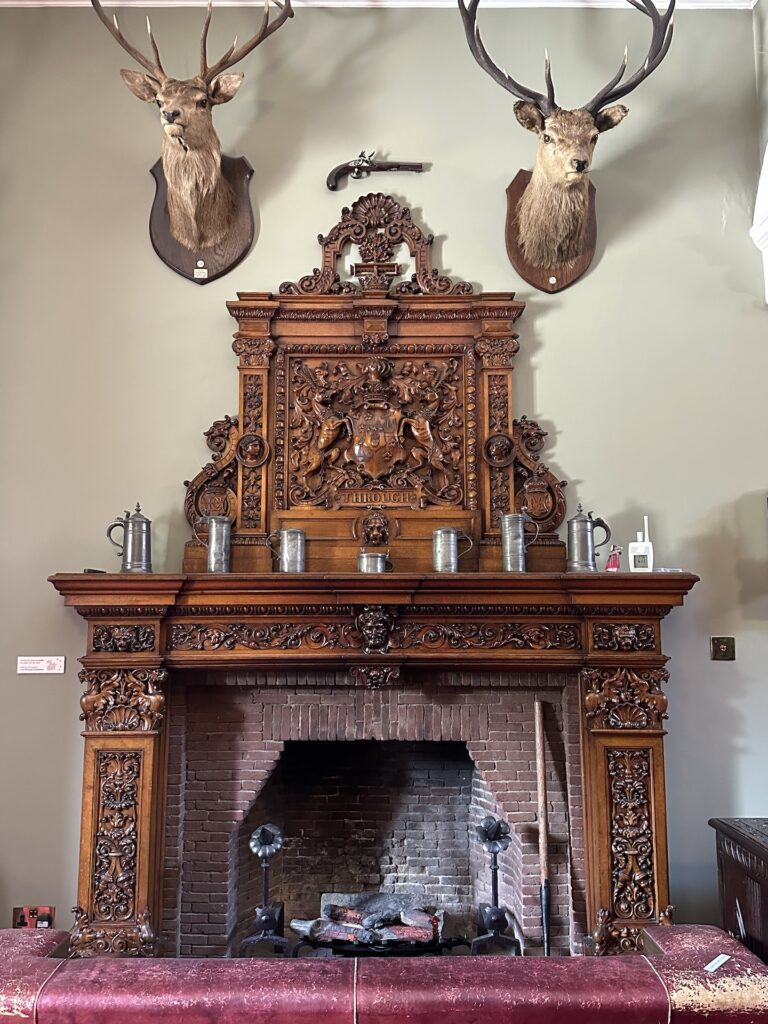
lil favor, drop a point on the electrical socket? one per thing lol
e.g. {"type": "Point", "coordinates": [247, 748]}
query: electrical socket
{"type": "Point", "coordinates": [722, 648]}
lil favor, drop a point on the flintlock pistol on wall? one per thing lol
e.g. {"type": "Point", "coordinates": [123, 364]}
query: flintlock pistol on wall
{"type": "Point", "coordinates": [362, 166]}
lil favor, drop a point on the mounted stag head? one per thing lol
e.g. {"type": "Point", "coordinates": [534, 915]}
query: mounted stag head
{"type": "Point", "coordinates": [201, 202]}
{"type": "Point", "coordinates": [553, 213]}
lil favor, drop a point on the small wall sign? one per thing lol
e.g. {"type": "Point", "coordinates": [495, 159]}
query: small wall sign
{"type": "Point", "coordinates": [40, 665]}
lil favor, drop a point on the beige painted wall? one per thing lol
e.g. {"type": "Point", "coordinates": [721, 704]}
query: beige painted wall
{"type": "Point", "coordinates": [649, 374]}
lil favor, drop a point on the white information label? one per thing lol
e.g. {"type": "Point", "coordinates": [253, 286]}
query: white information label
{"type": "Point", "coordinates": [201, 272]}
{"type": "Point", "coordinates": [39, 665]}
{"type": "Point", "coordinates": [717, 962]}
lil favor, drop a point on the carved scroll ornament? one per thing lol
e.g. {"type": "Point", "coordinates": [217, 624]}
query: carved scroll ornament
{"type": "Point", "coordinates": [213, 492]}
{"type": "Point", "coordinates": [378, 225]}
{"type": "Point", "coordinates": [122, 699]}
{"type": "Point", "coordinates": [624, 698]}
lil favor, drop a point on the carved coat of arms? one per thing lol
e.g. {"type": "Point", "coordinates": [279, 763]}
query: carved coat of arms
{"type": "Point", "coordinates": [388, 426]}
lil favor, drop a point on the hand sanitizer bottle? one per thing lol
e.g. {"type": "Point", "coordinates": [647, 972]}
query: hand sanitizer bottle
{"type": "Point", "coordinates": [640, 552]}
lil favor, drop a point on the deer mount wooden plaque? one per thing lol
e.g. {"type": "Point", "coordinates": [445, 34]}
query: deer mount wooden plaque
{"type": "Point", "coordinates": [373, 411]}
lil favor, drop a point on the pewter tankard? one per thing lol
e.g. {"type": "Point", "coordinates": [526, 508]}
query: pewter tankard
{"type": "Point", "coordinates": [513, 542]}
{"type": "Point", "coordinates": [292, 553]}
{"type": "Point", "coordinates": [581, 541]}
{"type": "Point", "coordinates": [445, 548]}
{"type": "Point", "coordinates": [219, 536]}
{"type": "Point", "coordinates": [373, 561]}
{"type": "Point", "coordinates": [136, 548]}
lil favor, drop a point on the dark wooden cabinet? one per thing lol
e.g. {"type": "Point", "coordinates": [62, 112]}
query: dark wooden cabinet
{"type": "Point", "coordinates": [742, 867]}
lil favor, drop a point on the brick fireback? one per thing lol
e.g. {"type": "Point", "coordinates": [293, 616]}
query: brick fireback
{"type": "Point", "coordinates": [226, 736]}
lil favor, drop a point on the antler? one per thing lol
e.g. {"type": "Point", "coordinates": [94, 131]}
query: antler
{"type": "Point", "coordinates": [233, 55]}
{"type": "Point", "coordinates": [156, 68]}
{"type": "Point", "coordinates": [546, 104]}
{"type": "Point", "coordinates": [661, 40]}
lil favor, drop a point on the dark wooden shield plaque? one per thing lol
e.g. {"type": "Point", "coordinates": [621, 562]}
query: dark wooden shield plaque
{"type": "Point", "coordinates": [546, 279]}
{"type": "Point", "coordinates": [215, 262]}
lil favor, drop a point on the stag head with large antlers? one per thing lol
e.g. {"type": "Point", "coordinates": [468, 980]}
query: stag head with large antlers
{"type": "Point", "coordinates": [552, 215]}
{"type": "Point", "coordinates": [201, 203]}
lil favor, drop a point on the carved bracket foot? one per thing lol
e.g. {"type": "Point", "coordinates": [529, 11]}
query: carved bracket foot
{"type": "Point", "coordinates": [131, 938]}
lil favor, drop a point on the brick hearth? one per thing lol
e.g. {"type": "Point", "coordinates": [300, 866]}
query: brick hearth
{"type": "Point", "coordinates": [400, 776]}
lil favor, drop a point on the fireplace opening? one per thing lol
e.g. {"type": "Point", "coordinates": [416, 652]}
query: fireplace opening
{"type": "Point", "coordinates": [373, 816]}
{"type": "Point", "coordinates": [375, 791]}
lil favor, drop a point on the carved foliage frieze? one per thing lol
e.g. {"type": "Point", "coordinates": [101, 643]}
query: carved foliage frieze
{"type": "Point", "coordinates": [375, 629]}
{"type": "Point", "coordinates": [116, 838]}
{"type": "Point", "coordinates": [121, 639]}
{"type": "Point", "coordinates": [122, 699]}
{"type": "Point", "coordinates": [387, 428]}
{"type": "Point", "coordinates": [624, 698]}
{"type": "Point", "coordinates": [632, 866]}
{"type": "Point", "coordinates": [378, 225]}
{"type": "Point", "coordinates": [623, 636]}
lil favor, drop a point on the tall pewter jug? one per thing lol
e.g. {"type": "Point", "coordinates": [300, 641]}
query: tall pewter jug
{"type": "Point", "coordinates": [513, 539]}
{"type": "Point", "coordinates": [136, 546]}
{"type": "Point", "coordinates": [218, 542]}
{"type": "Point", "coordinates": [581, 541]}
{"type": "Point", "coordinates": [445, 548]}
{"type": "Point", "coordinates": [291, 554]}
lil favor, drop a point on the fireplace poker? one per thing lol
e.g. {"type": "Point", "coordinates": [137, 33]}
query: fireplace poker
{"type": "Point", "coordinates": [541, 786]}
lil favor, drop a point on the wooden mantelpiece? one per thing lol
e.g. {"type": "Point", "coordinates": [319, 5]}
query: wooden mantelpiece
{"type": "Point", "coordinates": [605, 628]}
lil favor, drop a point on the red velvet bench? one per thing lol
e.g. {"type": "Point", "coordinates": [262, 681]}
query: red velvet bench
{"type": "Point", "coordinates": [670, 987]}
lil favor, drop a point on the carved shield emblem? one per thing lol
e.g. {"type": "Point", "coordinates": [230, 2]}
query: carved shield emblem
{"type": "Point", "coordinates": [376, 444]}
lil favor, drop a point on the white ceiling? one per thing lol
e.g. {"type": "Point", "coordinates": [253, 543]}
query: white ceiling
{"type": "Point", "coordinates": [734, 5]}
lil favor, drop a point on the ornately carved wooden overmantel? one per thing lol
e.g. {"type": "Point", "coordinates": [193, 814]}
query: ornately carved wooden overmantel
{"type": "Point", "coordinates": [370, 414]}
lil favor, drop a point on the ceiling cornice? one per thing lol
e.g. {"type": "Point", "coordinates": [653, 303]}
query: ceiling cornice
{"type": "Point", "coordinates": [689, 5]}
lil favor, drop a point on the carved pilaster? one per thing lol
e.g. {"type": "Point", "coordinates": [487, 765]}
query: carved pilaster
{"type": "Point", "coordinates": [624, 698]}
{"type": "Point", "coordinates": [122, 699]}
{"type": "Point", "coordinates": [633, 879]}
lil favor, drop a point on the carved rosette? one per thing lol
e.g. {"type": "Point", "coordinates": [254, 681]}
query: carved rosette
{"type": "Point", "coordinates": [89, 940]}
{"type": "Point", "coordinates": [120, 639]}
{"type": "Point", "coordinates": [632, 868]}
{"type": "Point", "coordinates": [122, 699]}
{"type": "Point", "coordinates": [623, 636]}
{"type": "Point", "coordinates": [624, 698]}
